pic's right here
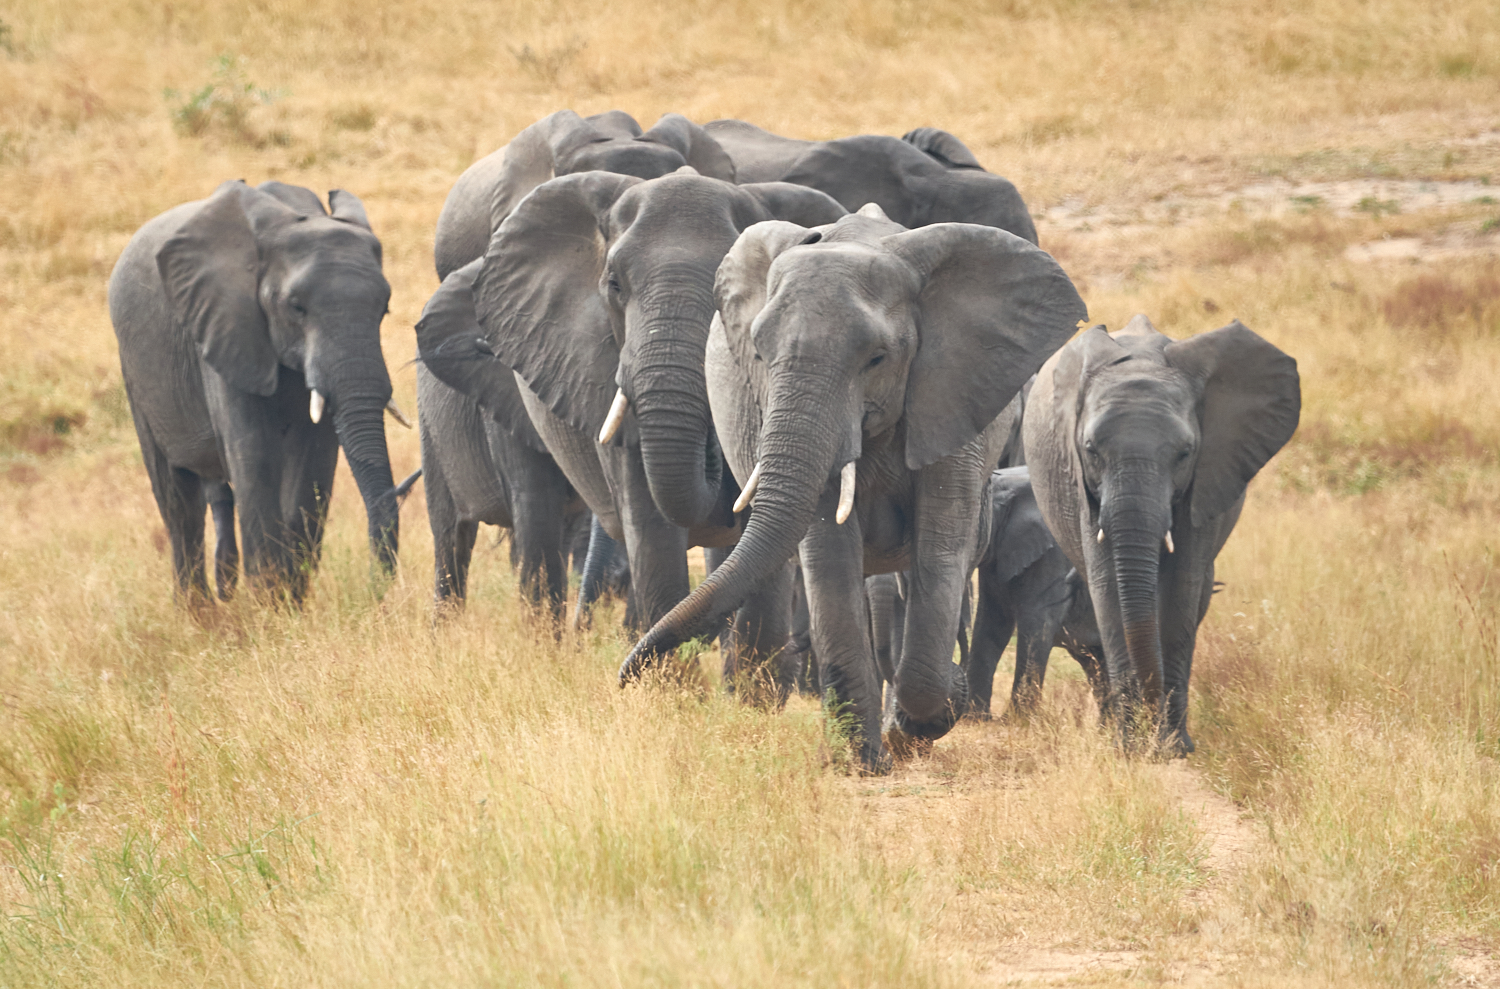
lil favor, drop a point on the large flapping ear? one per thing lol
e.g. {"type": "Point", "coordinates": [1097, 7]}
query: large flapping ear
{"type": "Point", "coordinates": [538, 297]}
{"type": "Point", "coordinates": [211, 270]}
{"type": "Point", "coordinates": [450, 343]}
{"type": "Point", "coordinates": [1251, 401]}
{"type": "Point", "coordinates": [740, 284]}
{"type": "Point", "coordinates": [1020, 536]}
{"type": "Point", "coordinates": [694, 144]}
{"type": "Point", "coordinates": [991, 308]}
{"type": "Point", "coordinates": [347, 207]}
{"type": "Point", "coordinates": [795, 203]}
{"type": "Point", "coordinates": [943, 147]}
{"type": "Point", "coordinates": [304, 201]}
{"type": "Point", "coordinates": [531, 158]}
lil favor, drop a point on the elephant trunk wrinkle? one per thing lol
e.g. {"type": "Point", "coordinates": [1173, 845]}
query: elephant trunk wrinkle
{"type": "Point", "coordinates": [1136, 523]}
{"type": "Point", "coordinates": [361, 430]}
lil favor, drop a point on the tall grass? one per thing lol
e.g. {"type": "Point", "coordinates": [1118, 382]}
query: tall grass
{"type": "Point", "coordinates": [347, 794]}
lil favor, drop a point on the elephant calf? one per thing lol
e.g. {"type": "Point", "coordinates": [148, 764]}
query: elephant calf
{"type": "Point", "coordinates": [1140, 449]}
{"type": "Point", "coordinates": [249, 332]}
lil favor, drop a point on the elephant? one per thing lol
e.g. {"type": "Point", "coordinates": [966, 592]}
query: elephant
{"type": "Point", "coordinates": [927, 177]}
{"type": "Point", "coordinates": [562, 144]}
{"type": "Point", "coordinates": [242, 319]}
{"type": "Point", "coordinates": [1027, 586]}
{"type": "Point", "coordinates": [597, 291]}
{"type": "Point", "coordinates": [487, 464]}
{"type": "Point", "coordinates": [1140, 449]}
{"type": "Point", "coordinates": [863, 379]}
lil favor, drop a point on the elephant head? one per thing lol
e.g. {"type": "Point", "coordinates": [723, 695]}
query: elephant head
{"type": "Point", "coordinates": [1141, 455]}
{"type": "Point", "coordinates": [564, 144]}
{"type": "Point", "coordinates": [264, 278]}
{"type": "Point", "coordinates": [598, 291]}
{"type": "Point", "coordinates": [857, 336]}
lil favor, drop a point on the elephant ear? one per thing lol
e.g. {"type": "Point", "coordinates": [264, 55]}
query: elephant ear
{"type": "Point", "coordinates": [451, 345]}
{"type": "Point", "coordinates": [695, 145]}
{"type": "Point", "coordinates": [991, 308]}
{"type": "Point", "coordinates": [538, 299]}
{"type": "Point", "coordinates": [347, 207]}
{"type": "Point", "coordinates": [740, 284]}
{"type": "Point", "coordinates": [531, 158]}
{"type": "Point", "coordinates": [1251, 401]}
{"type": "Point", "coordinates": [1020, 535]}
{"type": "Point", "coordinates": [795, 203]}
{"type": "Point", "coordinates": [942, 147]}
{"type": "Point", "coordinates": [870, 168]}
{"type": "Point", "coordinates": [304, 201]}
{"type": "Point", "coordinates": [211, 271]}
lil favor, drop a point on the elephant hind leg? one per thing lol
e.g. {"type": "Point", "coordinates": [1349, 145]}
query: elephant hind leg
{"type": "Point", "coordinates": [180, 499]}
{"type": "Point", "coordinates": [226, 545]}
{"type": "Point", "coordinates": [993, 625]}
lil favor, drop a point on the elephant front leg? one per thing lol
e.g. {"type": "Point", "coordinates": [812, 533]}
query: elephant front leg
{"type": "Point", "coordinates": [657, 549]}
{"type": "Point", "coordinates": [311, 452]}
{"type": "Point", "coordinates": [833, 568]}
{"type": "Point", "coordinates": [757, 639]}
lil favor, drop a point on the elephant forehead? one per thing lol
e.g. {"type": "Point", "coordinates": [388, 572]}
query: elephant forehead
{"type": "Point", "coordinates": [324, 236]}
{"type": "Point", "coordinates": [1137, 388]}
{"type": "Point", "coordinates": [642, 159]}
{"type": "Point", "coordinates": [675, 201]}
{"type": "Point", "coordinates": [853, 271]}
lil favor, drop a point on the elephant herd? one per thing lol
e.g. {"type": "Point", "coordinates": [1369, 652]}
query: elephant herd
{"type": "Point", "coordinates": [807, 357]}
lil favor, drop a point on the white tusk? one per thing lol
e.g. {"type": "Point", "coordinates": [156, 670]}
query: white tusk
{"type": "Point", "coordinates": [1170, 547]}
{"type": "Point", "coordinates": [315, 407]}
{"type": "Point", "coordinates": [397, 414]}
{"type": "Point", "coordinates": [615, 417]}
{"type": "Point", "coordinates": [1100, 540]}
{"type": "Point", "coordinates": [743, 500]}
{"type": "Point", "coordinates": [846, 493]}
{"type": "Point", "coordinates": [900, 586]}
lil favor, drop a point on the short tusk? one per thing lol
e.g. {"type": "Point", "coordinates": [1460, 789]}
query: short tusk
{"type": "Point", "coordinates": [900, 586]}
{"type": "Point", "coordinates": [846, 493]}
{"type": "Point", "coordinates": [1170, 547]}
{"type": "Point", "coordinates": [743, 501]}
{"type": "Point", "coordinates": [1100, 540]}
{"type": "Point", "coordinates": [315, 407]}
{"type": "Point", "coordinates": [397, 414]}
{"type": "Point", "coordinates": [615, 417]}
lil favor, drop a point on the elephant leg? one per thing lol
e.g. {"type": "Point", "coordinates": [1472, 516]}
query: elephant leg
{"type": "Point", "coordinates": [226, 540]}
{"type": "Point", "coordinates": [312, 453]}
{"type": "Point", "coordinates": [1039, 617]}
{"type": "Point", "coordinates": [180, 500]}
{"type": "Point", "coordinates": [993, 624]}
{"type": "Point", "coordinates": [759, 635]}
{"type": "Point", "coordinates": [1184, 609]}
{"type": "Point", "coordinates": [881, 592]}
{"type": "Point", "coordinates": [452, 538]}
{"type": "Point", "coordinates": [593, 584]}
{"type": "Point", "coordinates": [539, 503]}
{"type": "Point", "coordinates": [657, 549]}
{"type": "Point", "coordinates": [833, 567]}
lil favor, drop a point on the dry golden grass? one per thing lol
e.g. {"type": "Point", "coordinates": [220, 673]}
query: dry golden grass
{"type": "Point", "coordinates": [345, 796]}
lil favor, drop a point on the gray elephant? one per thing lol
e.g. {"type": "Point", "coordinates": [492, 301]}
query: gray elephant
{"type": "Point", "coordinates": [863, 379]}
{"type": "Point", "coordinates": [597, 290]}
{"type": "Point", "coordinates": [927, 177]}
{"type": "Point", "coordinates": [249, 333]}
{"type": "Point", "coordinates": [484, 462]}
{"type": "Point", "coordinates": [1140, 450]}
{"type": "Point", "coordinates": [1027, 586]}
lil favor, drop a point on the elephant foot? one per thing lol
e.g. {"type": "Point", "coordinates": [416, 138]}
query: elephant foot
{"type": "Point", "coordinates": [1177, 745]}
{"type": "Point", "coordinates": [906, 747]}
{"type": "Point", "coordinates": [875, 760]}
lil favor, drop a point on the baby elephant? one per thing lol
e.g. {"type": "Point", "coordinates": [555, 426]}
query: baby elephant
{"type": "Point", "coordinates": [1027, 586]}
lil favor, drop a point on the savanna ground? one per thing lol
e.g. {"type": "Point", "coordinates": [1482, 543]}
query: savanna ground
{"type": "Point", "coordinates": [346, 796]}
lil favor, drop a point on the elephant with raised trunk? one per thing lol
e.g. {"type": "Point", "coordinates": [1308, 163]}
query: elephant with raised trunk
{"type": "Point", "coordinates": [1140, 449]}
{"type": "Point", "coordinates": [863, 379]}
{"type": "Point", "coordinates": [249, 332]}
{"type": "Point", "coordinates": [928, 176]}
{"type": "Point", "coordinates": [597, 291]}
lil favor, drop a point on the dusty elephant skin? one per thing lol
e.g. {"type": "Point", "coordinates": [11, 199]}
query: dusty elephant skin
{"type": "Point", "coordinates": [926, 177]}
{"type": "Point", "coordinates": [1140, 448]}
{"type": "Point", "coordinates": [484, 462]}
{"type": "Point", "coordinates": [867, 374]}
{"type": "Point", "coordinates": [249, 333]}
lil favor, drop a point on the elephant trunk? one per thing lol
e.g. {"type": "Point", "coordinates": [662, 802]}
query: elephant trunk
{"type": "Point", "coordinates": [669, 395]}
{"type": "Point", "coordinates": [800, 441]}
{"type": "Point", "coordinates": [360, 395]}
{"type": "Point", "coordinates": [1135, 523]}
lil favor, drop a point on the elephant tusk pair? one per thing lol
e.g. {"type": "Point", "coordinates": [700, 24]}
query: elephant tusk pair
{"type": "Point", "coordinates": [615, 417]}
{"type": "Point", "coordinates": [743, 501]}
{"type": "Point", "coordinates": [846, 493]}
{"type": "Point", "coordinates": [396, 413]}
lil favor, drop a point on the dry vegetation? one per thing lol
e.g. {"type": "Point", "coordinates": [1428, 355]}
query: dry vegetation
{"type": "Point", "coordinates": [345, 796]}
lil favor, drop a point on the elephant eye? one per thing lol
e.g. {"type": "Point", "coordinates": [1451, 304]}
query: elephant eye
{"type": "Point", "coordinates": [614, 285]}
{"type": "Point", "coordinates": [876, 361]}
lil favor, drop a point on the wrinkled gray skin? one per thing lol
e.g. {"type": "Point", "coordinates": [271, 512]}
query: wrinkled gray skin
{"type": "Point", "coordinates": [926, 177]}
{"type": "Point", "coordinates": [900, 351]}
{"type": "Point", "coordinates": [228, 310]}
{"type": "Point", "coordinates": [1134, 436]}
{"type": "Point", "coordinates": [597, 282]}
{"type": "Point", "coordinates": [1027, 586]}
{"type": "Point", "coordinates": [487, 464]}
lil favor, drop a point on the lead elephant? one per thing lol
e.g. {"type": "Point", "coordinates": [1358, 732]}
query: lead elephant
{"type": "Point", "coordinates": [927, 177]}
{"type": "Point", "coordinates": [1140, 449]}
{"type": "Point", "coordinates": [863, 378]}
{"type": "Point", "coordinates": [249, 333]}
